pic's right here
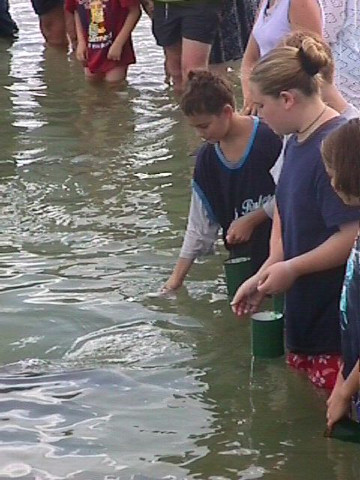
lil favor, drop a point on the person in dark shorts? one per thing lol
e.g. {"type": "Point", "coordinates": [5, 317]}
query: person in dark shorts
{"type": "Point", "coordinates": [8, 27]}
{"type": "Point", "coordinates": [186, 31]}
{"type": "Point", "coordinates": [54, 22]}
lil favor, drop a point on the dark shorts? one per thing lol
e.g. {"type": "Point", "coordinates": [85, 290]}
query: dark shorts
{"type": "Point", "coordinates": [44, 6]}
{"type": "Point", "coordinates": [198, 21]}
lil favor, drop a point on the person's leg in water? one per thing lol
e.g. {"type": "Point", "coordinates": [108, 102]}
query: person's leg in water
{"type": "Point", "coordinates": [8, 27]}
{"type": "Point", "coordinates": [52, 26]}
{"type": "Point", "coordinates": [194, 56]}
{"type": "Point", "coordinates": [199, 26]}
{"type": "Point", "coordinates": [172, 66]}
{"type": "Point", "coordinates": [54, 22]}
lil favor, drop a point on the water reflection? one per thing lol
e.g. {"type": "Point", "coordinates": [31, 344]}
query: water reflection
{"type": "Point", "coordinates": [101, 377]}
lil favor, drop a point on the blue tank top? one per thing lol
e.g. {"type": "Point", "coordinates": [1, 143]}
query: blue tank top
{"type": "Point", "coordinates": [230, 191]}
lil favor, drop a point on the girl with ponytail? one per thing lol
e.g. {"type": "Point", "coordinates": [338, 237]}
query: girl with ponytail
{"type": "Point", "coordinates": [313, 231]}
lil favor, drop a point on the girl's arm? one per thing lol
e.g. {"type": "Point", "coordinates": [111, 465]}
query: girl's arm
{"type": "Point", "coordinates": [306, 15]}
{"type": "Point", "coordinates": [248, 296]}
{"type": "Point", "coordinates": [199, 239]}
{"type": "Point", "coordinates": [131, 20]}
{"type": "Point", "coordinates": [330, 254]}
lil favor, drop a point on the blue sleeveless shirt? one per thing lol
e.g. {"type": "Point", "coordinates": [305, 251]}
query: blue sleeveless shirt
{"type": "Point", "coordinates": [230, 190]}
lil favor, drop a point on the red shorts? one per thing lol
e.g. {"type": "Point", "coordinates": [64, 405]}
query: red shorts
{"type": "Point", "coordinates": [321, 370]}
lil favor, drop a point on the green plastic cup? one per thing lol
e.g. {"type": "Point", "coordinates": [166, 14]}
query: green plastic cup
{"type": "Point", "coordinates": [279, 303]}
{"type": "Point", "coordinates": [346, 430]}
{"type": "Point", "coordinates": [237, 270]}
{"type": "Point", "coordinates": [267, 334]}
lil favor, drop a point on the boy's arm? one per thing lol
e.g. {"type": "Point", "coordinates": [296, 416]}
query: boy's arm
{"type": "Point", "coordinates": [340, 399]}
{"type": "Point", "coordinates": [241, 229]}
{"type": "Point", "coordinates": [199, 239]}
{"type": "Point", "coordinates": [330, 254]}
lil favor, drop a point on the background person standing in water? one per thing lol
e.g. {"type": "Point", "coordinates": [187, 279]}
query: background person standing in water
{"type": "Point", "coordinates": [103, 29]}
{"type": "Point", "coordinates": [313, 230]}
{"type": "Point", "coordinates": [231, 178]}
{"type": "Point", "coordinates": [186, 30]}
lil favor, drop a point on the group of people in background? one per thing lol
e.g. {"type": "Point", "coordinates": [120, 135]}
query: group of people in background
{"type": "Point", "coordinates": [281, 177]}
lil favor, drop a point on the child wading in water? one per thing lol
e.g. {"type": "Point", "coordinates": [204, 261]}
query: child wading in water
{"type": "Point", "coordinates": [103, 29]}
{"type": "Point", "coordinates": [341, 154]}
{"type": "Point", "coordinates": [313, 230]}
{"type": "Point", "coordinates": [231, 178]}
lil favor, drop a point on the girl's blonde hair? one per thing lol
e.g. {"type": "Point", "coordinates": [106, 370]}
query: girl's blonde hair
{"type": "Point", "coordinates": [286, 68]}
{"type": "Point", "coordinates": [341, 153]}
{"type": "Point", "coordinates": [295, 39]}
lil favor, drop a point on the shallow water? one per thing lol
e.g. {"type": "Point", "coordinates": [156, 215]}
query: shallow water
{"type": "Point", "coordinates": [101, 378]}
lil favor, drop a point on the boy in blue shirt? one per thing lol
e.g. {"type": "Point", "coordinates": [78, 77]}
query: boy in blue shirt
{"type": "Point", "coordinates": [232, 178]}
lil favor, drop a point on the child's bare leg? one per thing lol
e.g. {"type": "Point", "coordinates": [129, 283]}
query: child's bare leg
{"type": "Point", "coordinates": [92, 77]}
{"type": "Point", "coordinates": [116, 75]}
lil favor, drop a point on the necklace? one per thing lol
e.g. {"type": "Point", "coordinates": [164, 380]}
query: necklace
{"type": "Point", "coordinates": [313, 122]}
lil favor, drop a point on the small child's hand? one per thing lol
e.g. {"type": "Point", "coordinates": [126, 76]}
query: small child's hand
{"type": "Point", "coordinates": [81, 52]}
{"type": "Point", "coordinates": [115, 52]}
{"type": "Point", "coordinates": [338, 407]}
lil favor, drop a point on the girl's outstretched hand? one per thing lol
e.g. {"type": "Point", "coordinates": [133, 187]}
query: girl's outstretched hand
{"type": "Point", "coordinates": [277, 278]}
{"type": "Point", "coordinates": [247, 298]}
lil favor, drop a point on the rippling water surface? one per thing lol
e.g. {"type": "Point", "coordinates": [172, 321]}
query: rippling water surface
{"type": "Point", "coordinates": [101, 378]}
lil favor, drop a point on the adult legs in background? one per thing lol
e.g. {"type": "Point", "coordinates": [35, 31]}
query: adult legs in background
{"type": "Point", "coordinates": [8, 27]}
{"type": "Point", "coordinates": [172, 65]}
{"type": "Point", "coordinates": [52, 26]}
{"type": "Point", "coordinates": [194, 56]}
{"type": "Point", "coordinates": [186, 34]}
{"type": "Point", "coordinates": [54, 22]}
